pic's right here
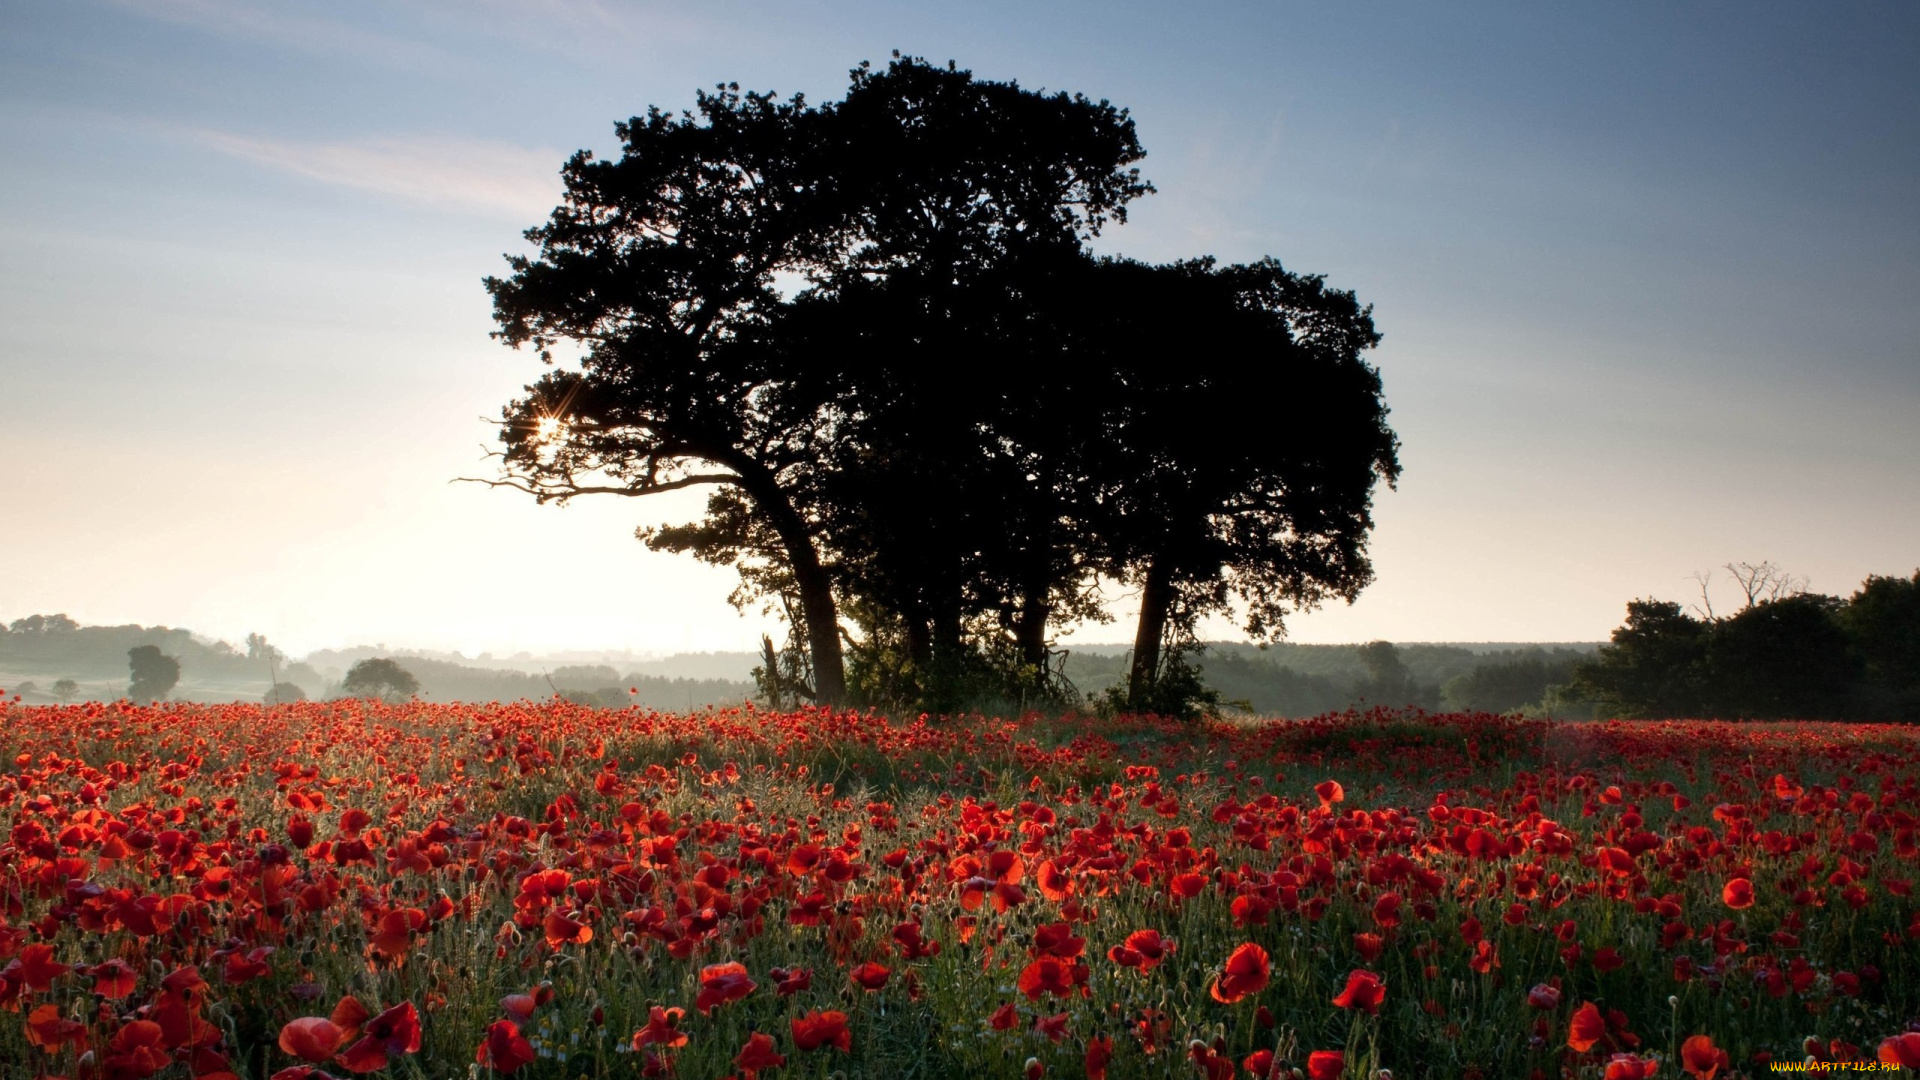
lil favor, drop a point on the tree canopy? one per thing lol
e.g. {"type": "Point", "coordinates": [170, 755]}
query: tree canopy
{"type": "Point", "coordinates": [874, 330]}
{"type": "Point", "coordinates": [1784, 655]}
{"type": "Point", "coordinates": [379, 677]}
{"type": "Point", "coordinates": [154, 673]}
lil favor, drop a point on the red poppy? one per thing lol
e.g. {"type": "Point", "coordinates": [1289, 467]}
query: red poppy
{"type": "Point", "coordinates": [1701, 1059]}
{"type": "Point", "coordinates": [1738, 893]}
{"type": "Point", "coordinates": [564, 930]}
{"type": "Point", "coordinates": [1586, 1028]}
{"type": "Point", "coordinates": [504, 1049]}
{"type": "Point", "coordinates": [1631, 1067]}
{"type": "Point", "coordinates": [663, 1029]}
{"type": "Point", "coordinates": [50, 1031]}
{"type": "Point", "coordinates": [1143, 949]}
{"type": "Point", "coordinates": [758, 1054]}
{"type": "Point", "coordinates": [396, 1031]}
{"type": "Point", "coordinates": [1364, 991]}
{"type": "Point", "coordinates": [1099, 1053]}
{"type": "Point", "coordinates": [720, 984]}
{"type": "Point", "coordinates": [1056, 939]}
{"type": "Point", "coordinates": [1005, 1018]}
{"type": "Point", "coordinates": [1326, 1064]}
{"type": "Point", "coordinates": [1330, 792]}
{"type": "Point", "coordinates": [1902, 1050]}
{"type": "Point", "coordinates": [37, 969]}
{"type": "Point", "coordinates": [1260, 1064]}
{"type": "Point", "coordinates": [1187, 886]}
{"type": "Point", "coordinates": [818, 1029]}
{"type": "Point", "coordinates": [1213, 1064]}
{"type": "Point", "coordinates": [870, 975]}
{"type": "Point", "coordinates": [1053, 1027]}
{"type": "Point", "coordinates": [790, 981]}
{"type": "Point", "coordinates": [1368, 946]}
{"type": "Point", "coordinates": [1246, 972]}
{"type": "Point", "coordinates": [1543, 996]}
{"type": "Point", "coordinates": [1055, 884]}
{"type": "Point", "coordinates": [113, 979]}
{"type": "Point", "coordinates": [311, 1038]}
{"type": "Point", "coordinates": [1052, 975]}
{"type": "Point", "coordinates": [349, 1016]}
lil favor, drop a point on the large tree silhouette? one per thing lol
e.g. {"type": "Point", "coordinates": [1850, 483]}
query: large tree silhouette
{"type": "Point", "coordinates": [1243, 438]}
{"type": "Point", "coordinates": [664, 265]}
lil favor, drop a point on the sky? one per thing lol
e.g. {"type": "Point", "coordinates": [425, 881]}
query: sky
{"type": "Point", "coordinates": [1648, 276]}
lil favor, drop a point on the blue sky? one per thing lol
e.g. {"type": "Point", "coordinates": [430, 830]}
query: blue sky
{"type": "Point", "coordinates": [1649, 276]}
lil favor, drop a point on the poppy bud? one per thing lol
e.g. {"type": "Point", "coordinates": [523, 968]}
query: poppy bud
{"type": "Point", "coordinates": [1034, 1070]}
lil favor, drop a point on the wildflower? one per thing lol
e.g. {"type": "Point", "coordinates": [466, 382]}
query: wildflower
{"type": "Point", "coordinates": [1099, 1053]}
{"type": "Point", "coordinates": [817, 1029]}
{"type": "Point", "coordinates": [1902, 1050]}
{"type": "Point", "coordinates": [1738, 893]}
{"type": "Point", "coordinates": [1364, 991]}
{"type": "Point", "coordinates": [1631, 1067]}
{"type": "Point", "coordinates": [395, 1031]}
{"type": "Point", "coordinates": [758, 1054]}
{"type": "Point", "coordinates": [311, 1038]}
{"type": "Point", "coordinates": [1586, 1028]}
{"type": "Point", "coordinates": [662, 1030]}
{"type": "Point", "coordinates": [1326, 1064]}
{"type": "Point", "coordinates": [721, 984]}
{"type": "Point", "coordinates": [870, 975]}
{"type": "Point", "coordinates": [1142, 950]}
{"type": "Point", "coordinates": [1701, 1059]}
{"type": "Point", "coordinates": [1246, 972]}
{"type": "Point", "coordinates": [504, 1049]}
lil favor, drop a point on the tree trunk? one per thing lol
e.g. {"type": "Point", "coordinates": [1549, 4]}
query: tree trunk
{"type": "Point", "coordinates": [1156, 601]}
{"type": "Point", "coordinates": [817, 606]}
{"type": "Point", "coordinates": [1030, 631]}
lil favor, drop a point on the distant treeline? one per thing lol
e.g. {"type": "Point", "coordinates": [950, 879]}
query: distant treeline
{"type": "Point", "coordinates": [1307, 680]}
{"type": "Point", "coordinates": [596, 684]}
{"type": "Point", "coordinates": [53, 658]}
{"type": "Point", "coordinates": [1785, 655]}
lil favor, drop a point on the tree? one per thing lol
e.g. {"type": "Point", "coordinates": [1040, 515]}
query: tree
{"type": "Point", "coordinates": [259, 648]}
{"type": "Point", "coordinates": [43, 624]}
{"type": "Point", "coordinates": [1207, 502]}
{"type": "Point", "coordinates": [663, 267]}
{"type": "Point", "coordinates": [379, 677]}
{"type": "Point", "coordinates": [1781, 659]}
{"type": "Point", "coordinates": [284, 693]}
{"type": "Point", "coordinates": [65, 690]}
{"type": "Point", "coordinates": [1882, 619]}
{"type": "Point", "coordinates": [1656, 665]}
{"type": "Point", "coordinates": [154, 674]}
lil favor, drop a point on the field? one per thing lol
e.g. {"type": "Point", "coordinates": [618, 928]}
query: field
{"type": "Point", "coordinates": [429, 891]}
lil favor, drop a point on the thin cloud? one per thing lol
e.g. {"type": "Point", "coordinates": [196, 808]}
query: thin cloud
{"type": "Point", "coordinates": [472, 176]}
{"type": "Point", "coordinates": [284, 24]}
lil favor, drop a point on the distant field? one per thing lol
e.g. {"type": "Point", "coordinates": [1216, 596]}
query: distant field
{"type": "Point", "coordinates": [561, 891]}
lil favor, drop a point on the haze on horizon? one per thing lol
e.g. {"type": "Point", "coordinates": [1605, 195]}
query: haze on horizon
{"type": "Point", "coordinates": [1647, 278]}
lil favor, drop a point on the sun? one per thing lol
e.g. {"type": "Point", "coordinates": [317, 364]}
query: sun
{"type": "Point", "coordinates": [548, 428]}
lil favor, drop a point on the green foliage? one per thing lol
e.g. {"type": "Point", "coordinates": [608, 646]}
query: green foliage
{"type": "Point", "coordinates": [1656, 665]}
{"type": "Point", "coordinates": [284, 693]}
{"type": "Point", "coordinates": [1795, 656]}
{"type": "Point", "coordinates": [1514, 682]}
{"type": "Point", "coordinates": [380, 677]}
{"type": "Point", "coordinates": [1882, 621]}
{"type": "Point", "coordinates": [154, 673]}
{"type": "Point", "coordinates": [1178, 690]}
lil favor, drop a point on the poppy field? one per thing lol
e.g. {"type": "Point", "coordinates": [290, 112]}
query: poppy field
{"type": "Point", "coordinates": [546, 890]}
